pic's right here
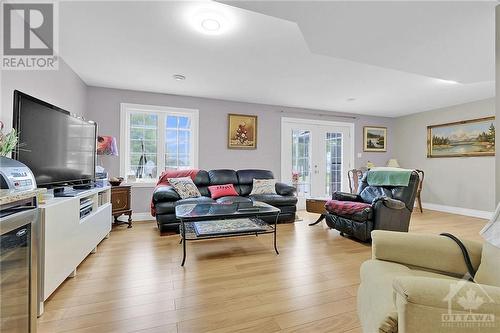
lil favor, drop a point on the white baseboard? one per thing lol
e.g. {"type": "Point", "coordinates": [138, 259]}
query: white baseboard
{"type": "Point", "coordinates": [458, 210]}
{"type": "Point", "coordinates": [146, 216]}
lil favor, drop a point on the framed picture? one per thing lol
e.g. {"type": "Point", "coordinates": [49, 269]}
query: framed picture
{"type": "Point", "coordinates": [375, 139]}
{"type": "Point", "coordinates": [475, 137]}
{"type": "Point", "coordinates": [242, 131]}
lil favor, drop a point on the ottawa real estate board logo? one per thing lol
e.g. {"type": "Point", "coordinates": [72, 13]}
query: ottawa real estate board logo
{"type": "Point", "coordinates": [29, 36]}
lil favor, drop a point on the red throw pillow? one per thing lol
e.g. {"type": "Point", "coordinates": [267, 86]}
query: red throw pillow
{"type": "Point", "coordinates": [217, 191]}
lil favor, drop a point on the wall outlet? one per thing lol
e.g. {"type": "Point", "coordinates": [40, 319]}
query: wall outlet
{"type": "Point", "coordinates": [360, 155]}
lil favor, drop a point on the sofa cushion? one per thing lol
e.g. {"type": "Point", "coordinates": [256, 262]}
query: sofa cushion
{"type": "Point", "coordinates": [202, 178]}
{"type": "Point", "coordinates": [244, 189]}
{"type": "Point", "coordinates": [357, 211]}
{"type": "Point", "coordinates": [263, 186]}
{"type": "Point", "coordinates": [201, 200]}
{"type": "Point", "coordinates": [168, 207]}
{"type": "Point", "coordinates": [274, 199]}
{"type": "Point", "coordinates": [165, 193]}
{"type": "Point", "coordinates": [489, 269]}
{"type": "Point", "coordinates": [184, 187]}
{"type": "Point", "coordinates": [246, 177]}
{"type": "Point", "coordinates": [217, 191]}
{"type": "Point", "coordinates": [222, 176]}
{"type": "Point", "coordinates": [233, 199]}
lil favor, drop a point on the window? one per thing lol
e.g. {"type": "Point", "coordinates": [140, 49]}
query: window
{"type": "Point", "coordinates": [155, 138]}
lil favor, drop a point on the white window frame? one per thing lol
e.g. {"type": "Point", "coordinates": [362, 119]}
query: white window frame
{"type": "Point", "coordinates": [126, 109]}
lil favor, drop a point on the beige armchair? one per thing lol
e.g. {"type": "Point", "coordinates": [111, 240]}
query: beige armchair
{"type": "Point", "coordinates": [413, 284]}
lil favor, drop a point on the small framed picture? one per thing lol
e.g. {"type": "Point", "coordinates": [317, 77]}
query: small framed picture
{"type": "Point", "coordinates": [375, 139]}
{"type": "Point", "coordinates": [242, 131]}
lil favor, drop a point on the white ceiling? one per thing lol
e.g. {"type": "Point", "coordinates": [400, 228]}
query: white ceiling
{"type": "Point", "coordinates": [387, 55]}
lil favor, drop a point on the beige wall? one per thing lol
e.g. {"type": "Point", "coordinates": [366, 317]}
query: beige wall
{"type": "Point", "coordinates": [466, 182]}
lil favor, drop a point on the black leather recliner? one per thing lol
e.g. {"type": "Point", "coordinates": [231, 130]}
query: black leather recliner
{"type": "Point", "coordinates": [391, 208]}
{"type": "Point", "coordinates": [165, 198]}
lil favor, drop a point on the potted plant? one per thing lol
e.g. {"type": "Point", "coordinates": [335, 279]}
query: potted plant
{"type": "Point", "coordinates": [8, 141]}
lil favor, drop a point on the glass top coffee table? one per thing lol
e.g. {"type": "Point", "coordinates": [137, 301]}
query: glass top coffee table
{"type": "Point", "coordinates": [219, 220]}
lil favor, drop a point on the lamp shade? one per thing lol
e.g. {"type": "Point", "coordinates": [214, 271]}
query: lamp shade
{"type": "Point", "coordinates": [106, 145]}
{"type": "Point", "coordinates": [393, 163]}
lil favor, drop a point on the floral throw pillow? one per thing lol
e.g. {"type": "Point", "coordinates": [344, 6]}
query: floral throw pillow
{"type": "Point", "coordinates": [184, 187]}
{"type": "Point", "coordinates": [264, 186]}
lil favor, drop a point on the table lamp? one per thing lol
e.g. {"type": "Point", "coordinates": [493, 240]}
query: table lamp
{"type": "Point", "coordinates": [106, 146]}
{"type": "Point", "coordinates": [393, 163]}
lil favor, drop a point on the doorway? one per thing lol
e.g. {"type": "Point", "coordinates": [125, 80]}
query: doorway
{"type": "Point", "coordinates": [315, 156]}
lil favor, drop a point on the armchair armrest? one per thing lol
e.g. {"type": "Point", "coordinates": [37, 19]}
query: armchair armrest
{"type": "Point", "coordinates": [389, 203]}
{"type": "Point", "coordinates": [430, 252]}
{"type": "Point", "coordinates": [344, 196]}
{"type": "Point", "coordinates": [165, 194]}
{"type": "Point", "coordinates": [444, 294]}
{"type": "Point", "coordinates": [284, 189]}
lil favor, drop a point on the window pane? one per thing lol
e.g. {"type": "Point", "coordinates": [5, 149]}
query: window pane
{"type": "Point", "coordinates": [184, 122]}
{"type": "Point", "coordinates": [171, 122]}
{"type": "Point", "coordinates": [151, 120]}
{"type": "Point", "coordinates": [143, 145]}
{"type": "Point", "coordinates": [137, 119]}
{"type": "Point", "coordinates": [136, 134]}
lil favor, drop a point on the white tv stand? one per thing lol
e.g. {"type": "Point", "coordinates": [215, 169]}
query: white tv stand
{"type": "Point", "coordinates": [65, 239]}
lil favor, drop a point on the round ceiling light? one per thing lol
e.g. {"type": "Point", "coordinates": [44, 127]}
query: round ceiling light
{"type": "Point", "coordinates": [213, 19]}
{"type": "Point", "coordinates": [179, 77]}
{"type": "Point", "coordinates": [211, 25]}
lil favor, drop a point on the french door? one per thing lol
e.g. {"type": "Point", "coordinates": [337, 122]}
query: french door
{"type": "Point", "coordinates": [315, 156]}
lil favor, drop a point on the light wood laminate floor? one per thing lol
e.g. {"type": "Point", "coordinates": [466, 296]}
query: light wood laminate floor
{"type": "Point", "coordinates": [134, 283]}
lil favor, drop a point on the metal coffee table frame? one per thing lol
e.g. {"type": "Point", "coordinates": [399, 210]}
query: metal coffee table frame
{"type": "Point", "coordinates": [226, 212]}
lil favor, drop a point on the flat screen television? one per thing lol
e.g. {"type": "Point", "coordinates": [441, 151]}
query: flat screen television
{"type": "Point", "coordinates": [60, 149]}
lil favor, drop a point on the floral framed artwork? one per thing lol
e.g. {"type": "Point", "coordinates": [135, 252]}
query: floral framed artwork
{"type": "Point", "coordinates": [374, 139]}
{"type": "Point", "coordinates": [242, 131]}
{"type": "Point", "coordinates": [468, 138]}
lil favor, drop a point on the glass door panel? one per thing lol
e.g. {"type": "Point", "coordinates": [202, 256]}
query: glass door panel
{"type": "Point", "coordinates": [334, 160]}
{"type": "Point", "coordinates": [301, 161]}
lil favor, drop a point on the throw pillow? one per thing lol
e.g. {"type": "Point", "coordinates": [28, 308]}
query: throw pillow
{"type": "Point", "coordinates": [184, 187]}
{"type": "Point", "coordinates": [217, 191]}
{"type": "Point", "coordinates": [264, 186]}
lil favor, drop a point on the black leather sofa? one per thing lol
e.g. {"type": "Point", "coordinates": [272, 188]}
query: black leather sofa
{"type": "Point", "coordinates": [391, 208]}
{"type": "Point", "coordinates": [165, 198]}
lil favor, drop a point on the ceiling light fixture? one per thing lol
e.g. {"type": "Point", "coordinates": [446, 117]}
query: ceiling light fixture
{"type": "Point", "coordinates": [211, 19]}
{"type": "Point", "coordinates": [351, 99]}
{"type": "Point", "coordinates": [179, 77]}
{"type": "Point", "coordinates": [211, 25]}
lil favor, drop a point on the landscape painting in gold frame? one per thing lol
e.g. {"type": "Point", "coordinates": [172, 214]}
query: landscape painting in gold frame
{"type": "Point", "coordinates": [242, 131]}
{"type": "Point", "coordinates": [468, 138]}
{"type": "Point", "coordinates": [375, 139]}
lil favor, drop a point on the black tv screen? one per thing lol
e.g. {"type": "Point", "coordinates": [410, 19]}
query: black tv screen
{"type": "Point", "coordinates": [59, 148]}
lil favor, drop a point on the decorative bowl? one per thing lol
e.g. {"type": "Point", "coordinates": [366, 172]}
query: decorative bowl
{"type": "Point", "coordinates": [116, 181]}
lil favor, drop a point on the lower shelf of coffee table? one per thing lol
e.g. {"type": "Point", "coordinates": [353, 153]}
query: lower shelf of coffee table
{"type": "Point", "coordinates": [191, 232]}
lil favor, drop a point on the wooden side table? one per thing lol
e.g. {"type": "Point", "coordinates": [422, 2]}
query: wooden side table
{"type": "Point", "coordinates": [120, 201]}
{"type": "Point", "coordinates": [316, 205]}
